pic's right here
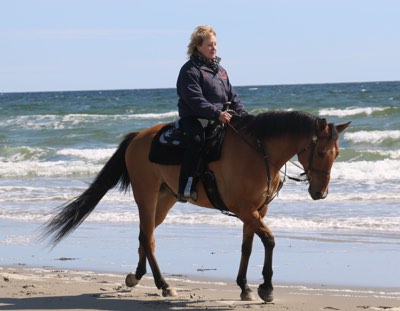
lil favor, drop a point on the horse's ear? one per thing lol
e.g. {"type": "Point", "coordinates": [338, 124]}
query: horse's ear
{"type": "Point", "coordinates": [322, 124]}
{"type": "Point", "coordinates": [341, 127]}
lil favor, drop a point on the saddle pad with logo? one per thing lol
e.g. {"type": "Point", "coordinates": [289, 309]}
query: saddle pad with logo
{"type": "Point", "coordinates": [167, 146]}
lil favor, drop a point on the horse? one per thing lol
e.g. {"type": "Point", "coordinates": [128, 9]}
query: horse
{"type": "Point", "coordinates": [248, 177]}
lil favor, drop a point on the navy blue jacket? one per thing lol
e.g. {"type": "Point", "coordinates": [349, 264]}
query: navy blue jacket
{"type": "Point", "coordinates": [202, 92]}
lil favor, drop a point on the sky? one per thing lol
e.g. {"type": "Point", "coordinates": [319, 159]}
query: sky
{"type": "Point", "coordinates": [63, 45]}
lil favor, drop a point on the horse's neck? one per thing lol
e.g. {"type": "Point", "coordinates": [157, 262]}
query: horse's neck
{"type": "Point", "coordinates": [281, 150]}
{"type": "Point", "coordinates": [275, 151]}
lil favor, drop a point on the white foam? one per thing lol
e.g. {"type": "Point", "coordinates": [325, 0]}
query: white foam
{"type": "Point", "coordinates": [48, 169]}
{"type": "Point", "coordinates": [346, 223]}
{"type": "Point", "coordinates": [23, 153]}
{"type": "Point", "coordinates": [349, 292]}
{"type": "Point", "coordinates": [372, 137]}
{"type": "Point", "coordinates": [391, 154]}
{"type": "Point", "coordinates": [170, 114]}
{"type": "Point", "coordinates": [73, 120]}
{"type": "Point", "coordinates": [88, 154]}
{"type": "Point", "coordinates": [350, 111]}
{"type": "Point", "coordinates": [16, 240]}
{"type": "Point", "coordinates": [367, 171]}
{"type": "Point", "coordinates": [362, 171]}
{"type": "Point", "coordinates": [321, 222]}
{"type": "Point", "coordinates": [339, 195]}
{"type": "Point", "coordinates": [371, 172]}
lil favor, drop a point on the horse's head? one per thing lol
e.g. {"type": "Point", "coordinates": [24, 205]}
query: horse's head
{"type": "Point", "coordinates": [318, 156]}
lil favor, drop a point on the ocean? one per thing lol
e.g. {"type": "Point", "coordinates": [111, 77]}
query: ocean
{"type": "Point", "coordinates": [52, 144]}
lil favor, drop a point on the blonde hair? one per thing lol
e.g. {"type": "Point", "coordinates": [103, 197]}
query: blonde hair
{"type": "Point", "coordinates": [199, 34]}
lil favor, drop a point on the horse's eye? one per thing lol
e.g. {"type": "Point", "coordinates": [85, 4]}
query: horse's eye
{"type": "Point", "coordinates": [321, 154]}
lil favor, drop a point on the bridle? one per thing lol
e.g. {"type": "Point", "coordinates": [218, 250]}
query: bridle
{"type": "Point", "coordinates": [313, 146]}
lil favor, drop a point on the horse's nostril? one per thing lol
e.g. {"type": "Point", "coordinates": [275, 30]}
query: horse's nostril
{"type": "Point", "coordinates": [317, 196]}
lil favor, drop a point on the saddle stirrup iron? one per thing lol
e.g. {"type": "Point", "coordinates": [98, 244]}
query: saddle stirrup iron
{"type": "Point", "coordinates": [186, 192]}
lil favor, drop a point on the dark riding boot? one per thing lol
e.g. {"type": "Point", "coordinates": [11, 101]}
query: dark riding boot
{"type": "Point", "coordinates": [194, 140]}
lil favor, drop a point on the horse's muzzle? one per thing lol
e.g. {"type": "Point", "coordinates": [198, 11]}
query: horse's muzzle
{"type": "Point", "coordinates": [318, 195]}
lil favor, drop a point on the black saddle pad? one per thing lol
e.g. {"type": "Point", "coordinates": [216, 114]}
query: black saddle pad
{"type": "Point", "coordinates": [167, 146]}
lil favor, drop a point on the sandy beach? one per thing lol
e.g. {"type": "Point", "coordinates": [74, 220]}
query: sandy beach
{"type": "Point", "coordinates": [23, 288]}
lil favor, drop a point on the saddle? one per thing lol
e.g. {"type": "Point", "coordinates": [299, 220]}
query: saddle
{"type": "Point", "coordinates": [168, 147]}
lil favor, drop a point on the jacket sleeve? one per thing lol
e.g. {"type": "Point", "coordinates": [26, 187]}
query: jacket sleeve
{"type": "Point", "coordinates": [236, 103]}
{"type": "Point", "coordinates": [190, 91]}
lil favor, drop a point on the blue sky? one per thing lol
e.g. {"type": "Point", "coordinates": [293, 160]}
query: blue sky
{"type": "Point", "coordinates": [53, 45]}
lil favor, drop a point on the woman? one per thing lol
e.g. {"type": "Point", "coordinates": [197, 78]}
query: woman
{"type": "Point", "coordinates": [203, 88]}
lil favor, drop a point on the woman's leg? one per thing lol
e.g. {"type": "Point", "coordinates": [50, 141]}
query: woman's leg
{"type": "Point", "coordinates": [194, 141]}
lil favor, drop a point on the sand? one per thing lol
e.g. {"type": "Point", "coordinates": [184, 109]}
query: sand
{"type": "Point", "coordinates": [23, 288]}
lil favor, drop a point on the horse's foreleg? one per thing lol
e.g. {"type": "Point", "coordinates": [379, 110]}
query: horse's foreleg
{"type": "Point", "coordinates": [241, 280]}
{"type": "Point", "coordinates": [265, 290]}
{"type": "Point", "coordinates": [256, 223]}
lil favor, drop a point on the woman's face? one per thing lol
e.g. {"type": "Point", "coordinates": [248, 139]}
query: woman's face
{"type": "Point", "coordinates": [208, 49]}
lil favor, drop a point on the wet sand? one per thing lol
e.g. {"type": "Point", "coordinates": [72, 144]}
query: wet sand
{"type": "Point", "coordinates": [23, 288]}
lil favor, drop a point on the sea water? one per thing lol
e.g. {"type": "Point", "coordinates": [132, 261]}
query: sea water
{"type": "Point", "coordinates": [52, 144]}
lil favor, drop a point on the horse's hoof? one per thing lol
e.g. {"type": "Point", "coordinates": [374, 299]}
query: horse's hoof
{"type": "Point", "coordinates": [247, 296]}
{"type": "Point", "coordinates": [131, 280]}
{"type": "Point", "coordinates": [169, 292]}
{"type": "Point", "coordinates": [266, 294]}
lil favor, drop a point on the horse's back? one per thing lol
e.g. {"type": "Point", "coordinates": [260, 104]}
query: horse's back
{"type": "Point", "coordinates": [137, 153]}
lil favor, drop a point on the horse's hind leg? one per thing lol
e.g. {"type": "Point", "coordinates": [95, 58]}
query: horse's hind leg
{"type": "Point", "coordinates": [147, 244]}
{"type": "Point", "coordinates": [132, 279]}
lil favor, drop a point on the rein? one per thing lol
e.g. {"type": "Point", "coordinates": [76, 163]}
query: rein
{"type": "Point", "coordinates": [270, 196]}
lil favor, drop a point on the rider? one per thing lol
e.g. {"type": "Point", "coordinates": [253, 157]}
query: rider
{"type": "Point", "coordinates": [203, 88]}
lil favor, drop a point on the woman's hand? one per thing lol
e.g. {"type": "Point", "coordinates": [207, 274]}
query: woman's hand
{"type": "Point", "coordinates": [224, 117]}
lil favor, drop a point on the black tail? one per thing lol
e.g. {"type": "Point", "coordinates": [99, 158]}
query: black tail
{"type": "Point", "coordinates": [70, 215]}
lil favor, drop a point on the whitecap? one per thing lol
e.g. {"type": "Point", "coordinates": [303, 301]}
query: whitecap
{"type": "Point", "coordinates": [372, 137]}
{"type": "Point", "coordinates": [350, 111]}
{"type": "Point", "coordinates": [88, 154]}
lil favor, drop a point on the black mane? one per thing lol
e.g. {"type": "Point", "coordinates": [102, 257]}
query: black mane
{"type": "Point", "coordinates": [276, 123]}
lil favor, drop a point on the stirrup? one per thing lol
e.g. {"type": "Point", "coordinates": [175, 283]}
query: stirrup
{"type": "Point", "coordinates": [188, 193]}
{"type": "Point", "coordinates": [181, 198]}
{"type": "Point", "coordinates": [188, 187]}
